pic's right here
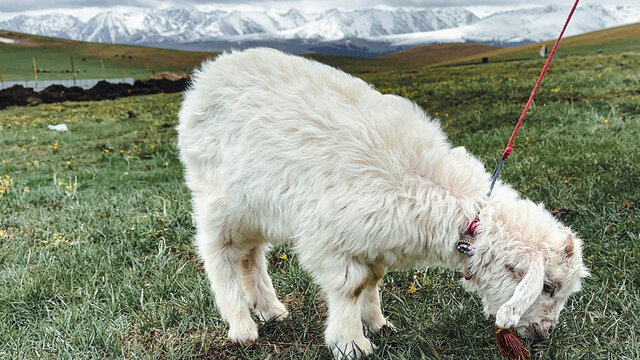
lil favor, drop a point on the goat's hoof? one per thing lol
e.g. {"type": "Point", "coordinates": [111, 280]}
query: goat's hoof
{"type": "Point", "coordinates": [384, 327]}
{"type": "Point", "coordinates": [245, 334]}
{"type": "Point", "coordinates": [277, 313]}
{"type": "Point", "coordinates": [388, 327]}
{"type": "Point", "coordinates": [352, 350]}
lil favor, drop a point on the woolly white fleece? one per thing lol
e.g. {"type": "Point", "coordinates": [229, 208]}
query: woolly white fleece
{"type": "Point", "coordinates": [279, 149]}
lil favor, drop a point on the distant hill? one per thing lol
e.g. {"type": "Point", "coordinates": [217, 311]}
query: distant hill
{"type": "Point", "coordinates": [436, 53]}
{"type": "Point", "coordinates": [53, 58]}
{"type": "Point", "coordinates": [406, 59]}
{"type": "Point", "coordinates": [621, 38]}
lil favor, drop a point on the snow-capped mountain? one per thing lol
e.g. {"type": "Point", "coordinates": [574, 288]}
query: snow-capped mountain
{"type": "Point", "coordinates": [179, 25]}
{"type": "Point", "coordinates": [367, 31]}
{"type": "Point", "coordinates": [525, 26]}
{"type": "Point", "coordinates": [56, 25]}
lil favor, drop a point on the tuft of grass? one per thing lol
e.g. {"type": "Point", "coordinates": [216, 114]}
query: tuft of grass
{"type": "Point", "coordinates": [97, 261]}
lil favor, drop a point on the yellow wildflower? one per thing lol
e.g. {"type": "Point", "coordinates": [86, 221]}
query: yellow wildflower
{"type": "Point", "coordinates": [26, 189]}
{"type": "Point", "coordinates": [126, 173]}
{"type": "Point", "coordinates": [284, 257]}
{"type": "Point", "coordinates": [412, 288]}
{"type": "Point", "coordinates": [606, 121]}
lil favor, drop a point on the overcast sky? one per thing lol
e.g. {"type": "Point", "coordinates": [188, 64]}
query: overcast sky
{"type": "Point", "coordinates": [89, 7]}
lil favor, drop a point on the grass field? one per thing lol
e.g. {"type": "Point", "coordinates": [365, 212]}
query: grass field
{"type": "Point", "coordinates": [96, 254]}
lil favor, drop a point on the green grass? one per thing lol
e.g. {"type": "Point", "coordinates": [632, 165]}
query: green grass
{"type": "Point", "coordinates": [97, 261]}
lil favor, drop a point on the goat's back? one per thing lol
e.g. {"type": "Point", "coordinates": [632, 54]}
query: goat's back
{"type": "Point", "coordinates": [299, 149]}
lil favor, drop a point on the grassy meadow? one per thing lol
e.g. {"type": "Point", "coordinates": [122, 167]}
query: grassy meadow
{"type": "Point", "coordinates": [96, 254]}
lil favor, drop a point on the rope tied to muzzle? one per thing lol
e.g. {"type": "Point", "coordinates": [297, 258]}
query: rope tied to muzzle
{"type": "Point", "coordinates": [510, 346]}
{"type": "Point", "coordinates": [508, 343]}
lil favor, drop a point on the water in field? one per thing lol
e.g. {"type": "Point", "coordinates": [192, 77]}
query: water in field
{"type": "Point", "coordinates": [83, 83]}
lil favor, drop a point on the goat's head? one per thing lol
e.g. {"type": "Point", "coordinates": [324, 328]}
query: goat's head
{"type": "Point", "coordinates": [526, 266]}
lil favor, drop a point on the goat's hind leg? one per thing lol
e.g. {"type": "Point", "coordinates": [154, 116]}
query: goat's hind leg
{"type": "Point", "coordinates": [258, 287]}
{"type": "Point", "coordinates": [222, 250]}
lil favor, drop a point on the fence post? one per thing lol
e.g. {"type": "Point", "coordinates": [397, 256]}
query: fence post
{"type": "Point", "coordinates": [73, 70]}
{"type": "Point", "coordinates": [104, 75]}
{"type": "Point", "coordinates": [35, 72]}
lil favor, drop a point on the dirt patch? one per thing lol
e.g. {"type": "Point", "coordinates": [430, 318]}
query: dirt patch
{"type": "Point", "coordinates": [170, 76]}
{"type": "Point", "coordinates": [18, 95]}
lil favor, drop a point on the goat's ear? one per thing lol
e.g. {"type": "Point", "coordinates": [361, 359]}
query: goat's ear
{"type": "Point", "coordinates": [568, 243]}
{"type": "Point", "coordinates": [525, 294]}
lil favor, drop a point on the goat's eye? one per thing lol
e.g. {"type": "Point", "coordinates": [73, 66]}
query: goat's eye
{"type": "Point", "coordinates": [548, 289]}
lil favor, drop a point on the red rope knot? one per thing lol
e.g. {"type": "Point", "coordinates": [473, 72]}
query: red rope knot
{"type": "Point", "coordinates": [507, 152]}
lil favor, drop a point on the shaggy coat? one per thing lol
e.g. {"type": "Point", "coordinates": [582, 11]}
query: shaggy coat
{"type": "Point", "coordinates": [280, 149]}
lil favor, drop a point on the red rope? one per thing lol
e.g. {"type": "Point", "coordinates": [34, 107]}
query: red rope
{"type": "Point", "coordinates": [509, 148]}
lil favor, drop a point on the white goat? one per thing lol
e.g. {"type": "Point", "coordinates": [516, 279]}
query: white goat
{"type": "Point", "coordinates": [280, 149]}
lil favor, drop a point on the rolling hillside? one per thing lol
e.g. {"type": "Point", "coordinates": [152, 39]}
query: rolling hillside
{"type": "Point", "coordinates": [140, 62]}
{"type": "Point", "coordinates": [622, 38]}
{"type": "Point", "coordinates": [52, 55]}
